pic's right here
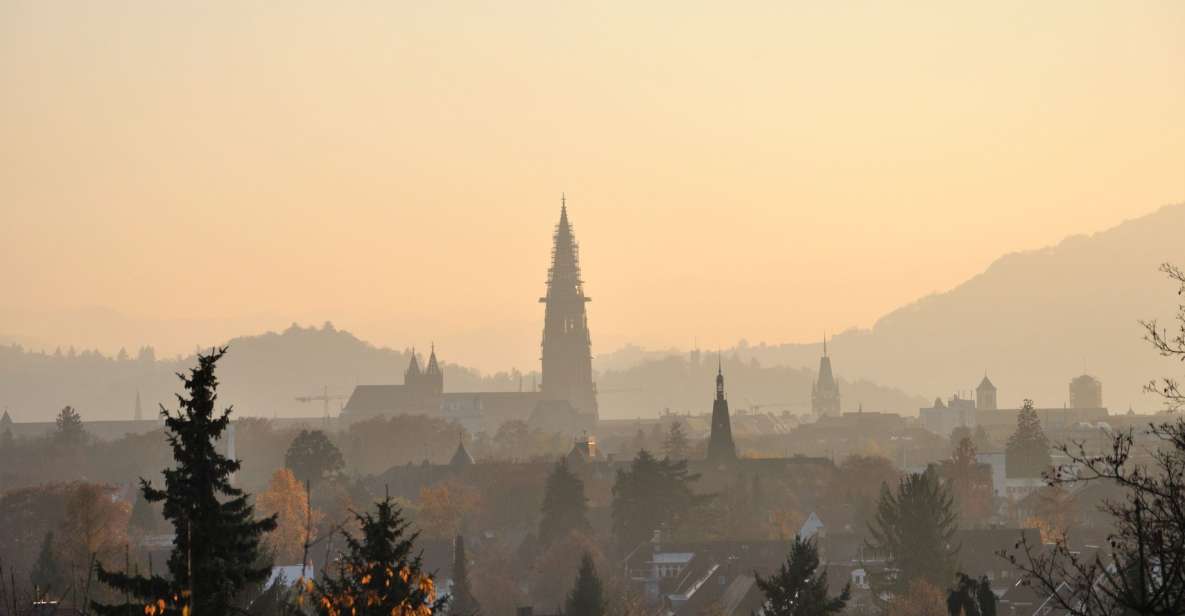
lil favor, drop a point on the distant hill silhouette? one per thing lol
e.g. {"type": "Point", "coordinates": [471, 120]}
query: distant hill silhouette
{"type": "Point", "coordinates": [687, 383]}
{"type": "Point", "coordinates": [1032, 320]}
{"type": "Point", "coordinates": [262, 375]}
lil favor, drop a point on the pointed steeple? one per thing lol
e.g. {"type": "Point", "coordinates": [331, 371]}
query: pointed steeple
{"type": "Point", "coordinates": [461, 456]}
{"type": "Point", "coordinates": [433, 367]}
{"type": "Point", "coordinates": [825, 391]}
{"type": "Point", "coordinates": [721, 448]}
{"type": "Point", "coordinates": [433, 377]}
{"type": "Point", "coordinates": [413, 368]}
{"type": "Point", "coordinates": [139, 412]}
{"type": "Point", "coordinates": [719, 378]}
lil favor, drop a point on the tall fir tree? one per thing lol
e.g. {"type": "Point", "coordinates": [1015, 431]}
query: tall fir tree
{"type": "Point", "coordinates": [565, 508]}
{"type": "Point", "coordinates": [913, 528]}
{"type": "Point", "coordinates": [69, 427]}
{"type": "Point", "coordinates": [675, 446]}
{"type": "Point", "coordinates": [650, 495]}
{"type": "Point", "coordinates": [461, 600]}
{"type": "Point", "coordinates": [798, 588]}
{"type": "Point", "coordinates": [216, 554]}
{"type": "Point", "coordinates": [1027, 452]}
{"type": "Point", "coordinates": [379, 574]}
{"type": "Point", "coordinates": [588, 594]}
{"type": "Point", "coordinates": [46, 575]}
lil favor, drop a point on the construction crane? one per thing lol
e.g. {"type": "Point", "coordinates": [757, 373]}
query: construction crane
{"type": "Point", "coordinates": [324, 398]}
{"type": "Point", "coordinates": [756, 408]}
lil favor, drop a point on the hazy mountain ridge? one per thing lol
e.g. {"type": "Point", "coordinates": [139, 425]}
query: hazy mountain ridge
{"type": "Point", "coordinates": [1032, 320]}
{"type": "Point", "coordinates": [261, 375]}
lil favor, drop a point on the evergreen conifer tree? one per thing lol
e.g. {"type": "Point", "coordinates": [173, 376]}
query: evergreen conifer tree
{"type": "Point", "coordinates": [216, 553]}
{"type": "Point", "coordinates": [565, 508]}
{"type": "Point", "coordinates": [461, 601]}
{"type": "Point", "coordinates": [588, 595]}
{"type": "Point", "coordinates": [46, 576]}
{"type": "Point", "coordinates": [1028, 448]}
{"type": "Point", "coordinates": [69, 427]}
{"type": "Point", "coordinates": [649, 495]}
{"type": "Point", "coordinates": [378, 575]}
{"type": "Point", "coordinates": [796, 589]}
{"type": "Point", "coordinates": [675, 445]}
{"type": "Point", "coordinates": [913, 528]}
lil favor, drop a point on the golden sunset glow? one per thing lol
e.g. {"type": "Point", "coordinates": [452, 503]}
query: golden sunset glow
{"type": "Point", "coordinates": [768, 170]}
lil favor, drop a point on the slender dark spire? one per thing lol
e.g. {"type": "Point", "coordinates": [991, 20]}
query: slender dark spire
{"type": "Point", "coordinates": [719, 378]}
{"type": "Point", "coordinates": [413, 366]}
{"type": "Point", "coordinates": [825, 392]}
{"type": "Point", "coordinates": [433, 366]}
{"type": "Point", "coordinates": [721, 448]}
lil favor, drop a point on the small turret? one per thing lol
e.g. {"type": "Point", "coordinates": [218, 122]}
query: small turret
{"type": "Point", "coordinates": [985, 395]}
{"type": "Point", "coordinates": [461, 456]}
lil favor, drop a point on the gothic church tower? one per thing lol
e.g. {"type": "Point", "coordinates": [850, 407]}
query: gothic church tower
{"type": "Point", "coordinates": [825, 393]}
{"type": "Point", "coordinates": [567, 352]}
{"type": "Point", "coordinates": [721, 449]}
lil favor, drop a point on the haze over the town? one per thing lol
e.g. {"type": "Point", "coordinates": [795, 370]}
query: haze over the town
{"type": "Point", "coordinates": [396, 168]}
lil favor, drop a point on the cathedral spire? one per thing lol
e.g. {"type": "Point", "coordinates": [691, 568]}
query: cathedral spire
{"type": "Point", "coordinates": [567, 354]}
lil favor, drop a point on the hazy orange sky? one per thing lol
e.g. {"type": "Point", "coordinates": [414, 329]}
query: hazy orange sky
{"type": "Point", "coordinates": [178, 173]}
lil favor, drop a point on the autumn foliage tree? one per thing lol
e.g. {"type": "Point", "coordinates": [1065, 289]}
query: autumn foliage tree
{"type": "Point", "coordinates": [919, 598]}
{"type": "Point", "coordinates": [287, 500]}
{"type": "Point", "coordinates": [379, 574]}
{"type": "Point", "coordinates": [444, 507]}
